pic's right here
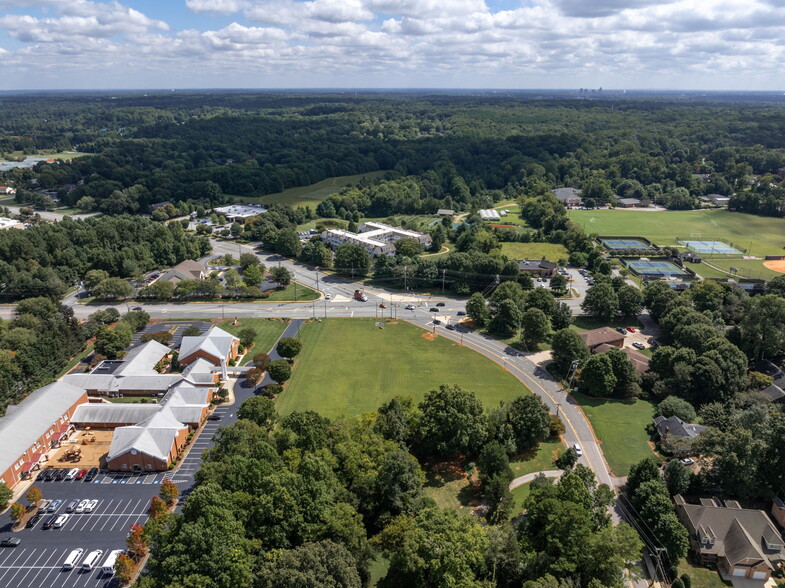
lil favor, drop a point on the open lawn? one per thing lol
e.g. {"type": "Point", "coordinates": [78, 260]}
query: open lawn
{"type": "Point", "coordinates": [747, 268]}
{"type": "Point", "coordinates": [537, 461]}
{"type": "Point", "coordinates": [309, 195]}
{"type": "Point", "coordinates": [702, 577]}
{"type": "Point", "coordinates": [765, 234]}
{"type": "Point", "coordinates": [64, 155]}
{"type": "Point", "coordinates": [519, 496]}
{"type": "Point", "coordinates": [349, 366]}
{"type": "Point", "coordinates": [621, 429]}
{"type": "Point", "coordinates": [267, 333]}
{"type": "Point", "coordinates": [293, 292]}
{"type": "Point", "coordinates": [550, 251]}
{"type": "Point", "coordinates": [448, 485]}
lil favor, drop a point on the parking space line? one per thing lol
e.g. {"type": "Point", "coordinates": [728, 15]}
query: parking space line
{"type": "Point", "coordinates": [119, 518]}
{"type": "Point", "coordinates": [108, 518]}
{"type": "Point", "coordinates": [21, 567]}
{"type": "Point", "coordinates": [46, 564]}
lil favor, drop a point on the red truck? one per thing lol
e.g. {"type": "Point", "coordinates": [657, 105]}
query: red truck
{"type": "Point", "coordinates": [360, 295]}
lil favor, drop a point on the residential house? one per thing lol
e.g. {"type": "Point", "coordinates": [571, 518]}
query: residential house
{"type": "Point", "coordinates": [775, 392]}
{"type": "Point", "coordinates": [538, 267]}
{"type": "Point", "coordinates": [185, 270]}
{"type": "Point", "coordinates": [34, 426]}
{"type": "Point", "coordinates": [743, 543]}
{"type": "Point", "coordinates": [718, 199]}
{"type": "Point", "coordinates": [157, 205]}
{"type": "Point", "coordinates": [778, 511]}
{"type": "Point", "coordinates": [673, 425]}
{"type": "Point", "coordinates": [604, 335]}
{"type": "Point", "coordinates": [568, 196]}
{"type": "Point", "coordinates": [7, 190]}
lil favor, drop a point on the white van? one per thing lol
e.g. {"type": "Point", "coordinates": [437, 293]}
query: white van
{"type": "Point", "coordinates": [92, 560]}
{"type": "Point", "coordinates": [72, 559]}
{"type": "Point", "coordinates": [108, 567]}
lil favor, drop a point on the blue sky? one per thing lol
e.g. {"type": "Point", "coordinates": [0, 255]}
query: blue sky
{"type": "Point", "coordinates": [624, 44]}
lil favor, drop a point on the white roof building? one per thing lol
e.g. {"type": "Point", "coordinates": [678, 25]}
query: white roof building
{"type": "Point", "coordinates": [489, 214]}
{"type": "Point", "coordinates": [376, 238]}
{"type": "Point", "coordinates": [215, 345]}
{"type": "Point", "coordinates": [235, 212]}
{"type": "Point", "coordinates": [153, 437]}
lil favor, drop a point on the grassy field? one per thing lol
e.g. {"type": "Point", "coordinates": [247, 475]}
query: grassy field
{"type": "Point", "coordinates": [348, 367]}
{"type": "Point", "coordinates": [302, 294]}
{"type": "Point", "coordinates": [621, 428]}
{"type": "Point", "coordinates": [537, 461]}
{"type": "Point", "coordinates": [748, 268]}
{"type": "Point", "coordinates": [309, 195]}
{"type": "Point", "coordinates": [702, 577]}
{"type": "Point", "coordinates": [765, 234]}
{"type": "Point", "coordinates": [267, 333]}
{"type": "Point", "coordinates": [550, 251]}
{"type": "Point", "coordinates": [67, 156]}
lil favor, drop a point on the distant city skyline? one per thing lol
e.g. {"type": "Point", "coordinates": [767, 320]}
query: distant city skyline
{"type": "Point", "coordinates": [378, 44]}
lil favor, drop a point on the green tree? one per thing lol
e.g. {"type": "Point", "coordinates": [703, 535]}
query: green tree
{"type": "Point", "coordinates": [94, 277]}
{"type": "Point", "coordinates": [627, 379]}
{"type": "Point", "coordinates": [288, 243]}
{"type": "Point", "coordinates": [601, 301]}
{"type": "Point", "coordinates": [259, 410]}
{"type": "Point", "coordinates": [675, 406]}
{"type": "Point", "coordinates": [567, 347]}
{"type": "Point", "coordinates": [493, 461]}
{"type": "Point", "coordinates": [247, 336]}
{"type": "Point", "coordinates": [453, 421]}
{"type": "Point", "coordinates": [112, 288]}
{"type": "Point", "coordinates": [112, 342]}
{"type": "Point", "coordinates": [352, 260]}
{"type": "Point", "coordinates": [763, 326]}
{"type": "Point", "coordinates": [289, 347]}
{"type": "Point", "coordinates": [279, 370]}
{"type": "Point", "coordinates": [507, 318]}
{"type": "Point", "coordinates": [535, 326]}
{"type": "Point", "coordinates": [630, 301]}
{"type": "Point", "coordinates": [249, 259]}
{"type": "Point", "coordinates": [530, 422]}
{"type": "Point", "coordinates": [252, 276]}
{"type": "Point", "coordinates": [232, 278]}
{"type": "Point", "coordinates": [158, 290]}
{"type": "Point", "coordinates": [561, 318]}
{"type": "Point", "coordinates": [645, 470]}
{"type": "Point", "coordinates": [408, 247]}
{"type": "Point", "coordinates": [559, 283]}
{"type": "Point", "coordinates": [137, 320]}
{"type": "Point", "coordinates": [261, 361]}
{"type": "Point", "coordinates": [434, 548]}
{"type": "Point", "coordinates": [323, 564]}
{"type": "Point", "coordinates": [192, 331]}
{"type": "Point", "coordinates": [497, 495]}
{"type": "Point", "coordinates": [399, 484]}
{"type": "Point", "coordinates": [281, 276]}
{"type": "Point", "coordinates": [597, 377]}
{"type": "Point", "coordinates": [17, 512]}
{"type": "Point", "coordinates": [677, 477]}
{"type": "Point", "coordinates": [477, 309]}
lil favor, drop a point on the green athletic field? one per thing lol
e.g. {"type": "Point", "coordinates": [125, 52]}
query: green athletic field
{"type": "Point", "coordinates": [765, 235]}
{"type": "Point", "coordinates": [349, 366]}
{"type": "Point", "coordinates": [550, 251]}
{"type": "Point", "coordinates": [310, 195]}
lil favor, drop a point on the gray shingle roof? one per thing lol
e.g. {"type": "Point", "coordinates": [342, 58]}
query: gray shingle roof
{"type": "Point", "coordinates": [25, 422]}
{"type": "Point", "coordinates": [114, 413]}
{"type": "Point", "coordinates": [216, 342]}
{"type": "Point", "coordinates": [153, 436]}
{"type": "Point", "coordinates": [675, 426]}
{"type": "Point", "coordinates": [564, 194]}
{"type": "Point", "coordinates": [142, 359]}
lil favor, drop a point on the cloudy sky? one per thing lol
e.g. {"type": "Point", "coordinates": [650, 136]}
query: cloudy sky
{"type": "Point", "coordinates": [624, 44]}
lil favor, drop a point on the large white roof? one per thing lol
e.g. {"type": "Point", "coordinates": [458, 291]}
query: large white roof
{"type": "Point", "coordinates": [153, 436]}
{"type": "Point", "coordinates": [141, 360]}
{"type": "Point", "coordinates": [215, 342]}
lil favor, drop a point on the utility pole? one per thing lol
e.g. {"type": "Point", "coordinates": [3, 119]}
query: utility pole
{"type": "Point", "coordinates": [222, 312]}
{"type": "Point", "coordinates": [444, 271]}
{"type": "Point", "coordinates": [573, 369]}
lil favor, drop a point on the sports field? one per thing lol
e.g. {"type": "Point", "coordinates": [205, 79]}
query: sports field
{"type": "Point", "coordinates": [655, 268]}
{"type": "Point", "coordinates": [622, 244]}
{"type": "Point", "coordinates": [765, 235]}
{"type": "Point", "coordinates": [310, 195]}
{"type": "Point", "coordinates": [550, 251]}
{"type": "Point", "coordinates": [349, 366]}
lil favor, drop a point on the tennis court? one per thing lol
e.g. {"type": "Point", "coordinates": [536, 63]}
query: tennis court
{"type": "Point", "coordinates": [709, 247]}
{"type": "Point", "coordinates": [656, 268]}
{"type": "Point", "coordinates": [622, 244]}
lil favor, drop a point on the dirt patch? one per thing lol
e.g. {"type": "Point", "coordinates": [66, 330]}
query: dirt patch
{"type": "Point", "coordinates": [430, 336]}
{"type": "Point", "coordinates": [777, 265]}
{"type": "Point", "coordinates": [505, 226]}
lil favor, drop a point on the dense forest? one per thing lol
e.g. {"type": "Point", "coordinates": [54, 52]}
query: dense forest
{"type": "Point", "coordinates": [461, 148]}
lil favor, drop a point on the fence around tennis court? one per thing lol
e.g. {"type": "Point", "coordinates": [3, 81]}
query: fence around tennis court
{"type": "Point", "coordinates": [657, 268]}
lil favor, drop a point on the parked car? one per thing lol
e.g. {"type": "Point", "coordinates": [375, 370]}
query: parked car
{"type": "Point", "coordinates": [33, 520]}
{"type": "Point", "coordinates": [46, 475]}
{"type": "Point", "coordinates": [461, 313]}
{"type": "Point", "coordinates": [10, 542]}
{"type": "Point", "coordinates": [450, 327]}
{"type": "Point", "coordinates": [638, 345]}
{"type": "Point", "coordinates": [440, 304]}
{"type": "Point", "coordinates": [91, 505]}
{"type": "Point", "coordinates": [653, 342]}
{"type": "Point", "coordinates": [577, 449]}
{"type": "Point", "coordinates": [44, 506]}
{"type": "Point", "coordinates": [82, 505]}
{"type": "Point", "coordinates": [631, 329]}
{"type": "Point", "coordinates": [72, 505]}
{"type": "Point", "coordinates": [72, 473]}
{"type": "Point", "coordinates": [49, 522]}
{"type": "Point", "coordinates": [328, 296]}
{"type": "Point", "coordinates": [214, 417]}
{"type": "Point", "coordinates": [55, 505]}
{"type": "Point", "coordinates": [60, 475]}
{"type": "Point", "coordinates": [687, 460]}
{"type": "Point", "coordinates": [382, 306]}
{"type": "Point", "coordinates": [437, 322]}
{"type": "Point", "coordinates": [410, 307]}
{"type": "Point", "coordinates": [73, 558]}
{"type": "Point", "coordinates": [81, 474]}
{"type": "Point", "coordinates": [60, 521]}
{"type": "Point", "coordinates": [91, 474]}
{"type": "Point", "coordinates": [434, 309]}
{"type": "Point", "coordinates": [621, 330]}
{"type": "Point", "coordinates": [137, 308]}
{"type": "Point", "coordinates": [92, 560]}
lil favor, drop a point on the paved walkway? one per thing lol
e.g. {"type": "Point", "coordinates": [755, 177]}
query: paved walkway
{"type": "Point", "coordinates": [530, 477]}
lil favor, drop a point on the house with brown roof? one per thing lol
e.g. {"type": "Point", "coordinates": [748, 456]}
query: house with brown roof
{"type": "Point", "coordinates": [185, 270]}
{"type": "Point", "coordinates": [742, 542]}
{"type": "Point", "coordinates": [537, 267]}
{"type": "Point", "coordinates": [602, 336]}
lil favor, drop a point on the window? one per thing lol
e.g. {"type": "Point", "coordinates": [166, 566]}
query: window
{"type": "Point", "coordinates": [148, 466]}
{"type": "Point", "coordinates": [124, 466]}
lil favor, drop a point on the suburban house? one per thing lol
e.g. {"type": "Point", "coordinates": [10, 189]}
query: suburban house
{"type": "Point", "coordinates": [628, 202]}
{"type": "Point", "coordinates": [216, 347]}
{"type": "Point", "coordinates": [376, 238]}
{"type": "Point", "coordinates": [568, 196]}
{"type": "Point", "coordinates": [639, 361]}
{"type": "Point", "coordinates": [538, 267]}
{"type": "Point", "coordinates": [34, 426]}
{"type": "Point", "coordinates": [778, 511]}
{"type": "Point", "coordinates": [604, 335]}
{"type": "Point", "coordinates": [150, 445]}
{"type": "Point", "coordinates": [185, 270]}
{"type": "Point", "coordinates": [743, 543]}
{"type": "Point", "coordinates": [673, 425]}
{"type": "Point", "coordinates": [776, 391]}
{"type": "Point", "coordinates": [445, 212]}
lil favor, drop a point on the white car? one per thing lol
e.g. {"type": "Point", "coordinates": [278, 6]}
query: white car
{"type": "Point", "coordinates": [72, 474]}
{"type": "Point", "coordinates": [82, 505]}
{"type": "Point", "coordinates": [90, 506]}
{"type": "Point", "coordinates": [410, 307]}
{"type": "Point", "coordinates": [328, 296]}
{"type": "Point", "coordinates": [60, 521]}
{"type": "Point", "coordinates": [577, 449]}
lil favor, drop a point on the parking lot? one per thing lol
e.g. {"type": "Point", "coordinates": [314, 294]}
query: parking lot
{"type": "Point", "coordinates": [193, 461]}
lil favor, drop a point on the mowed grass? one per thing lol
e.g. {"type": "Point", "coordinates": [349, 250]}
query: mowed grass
{"type": "Point", "coordinates": [539, 460]}
{"type": "Point", "coordinates": [64, 155]}
{"type": "Point", "coordinates": [267, 333]}
{"type": "Point", "coordinates": [550, 251]}
{"type": "Point", "coordinates": [765, 234]}
{"type": "Point", "coordinates": [292, 292]}
{"type": "Point", "coordinates": [349, 366]}
{"type": "Point", "coordinates": [702, 577]}
{"type": "Point", "coordinates": [748, 268]}
{"type": "Point", "coordinates": [310, 195]}
{"type": "Point", "coordinates": [621, 429]}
